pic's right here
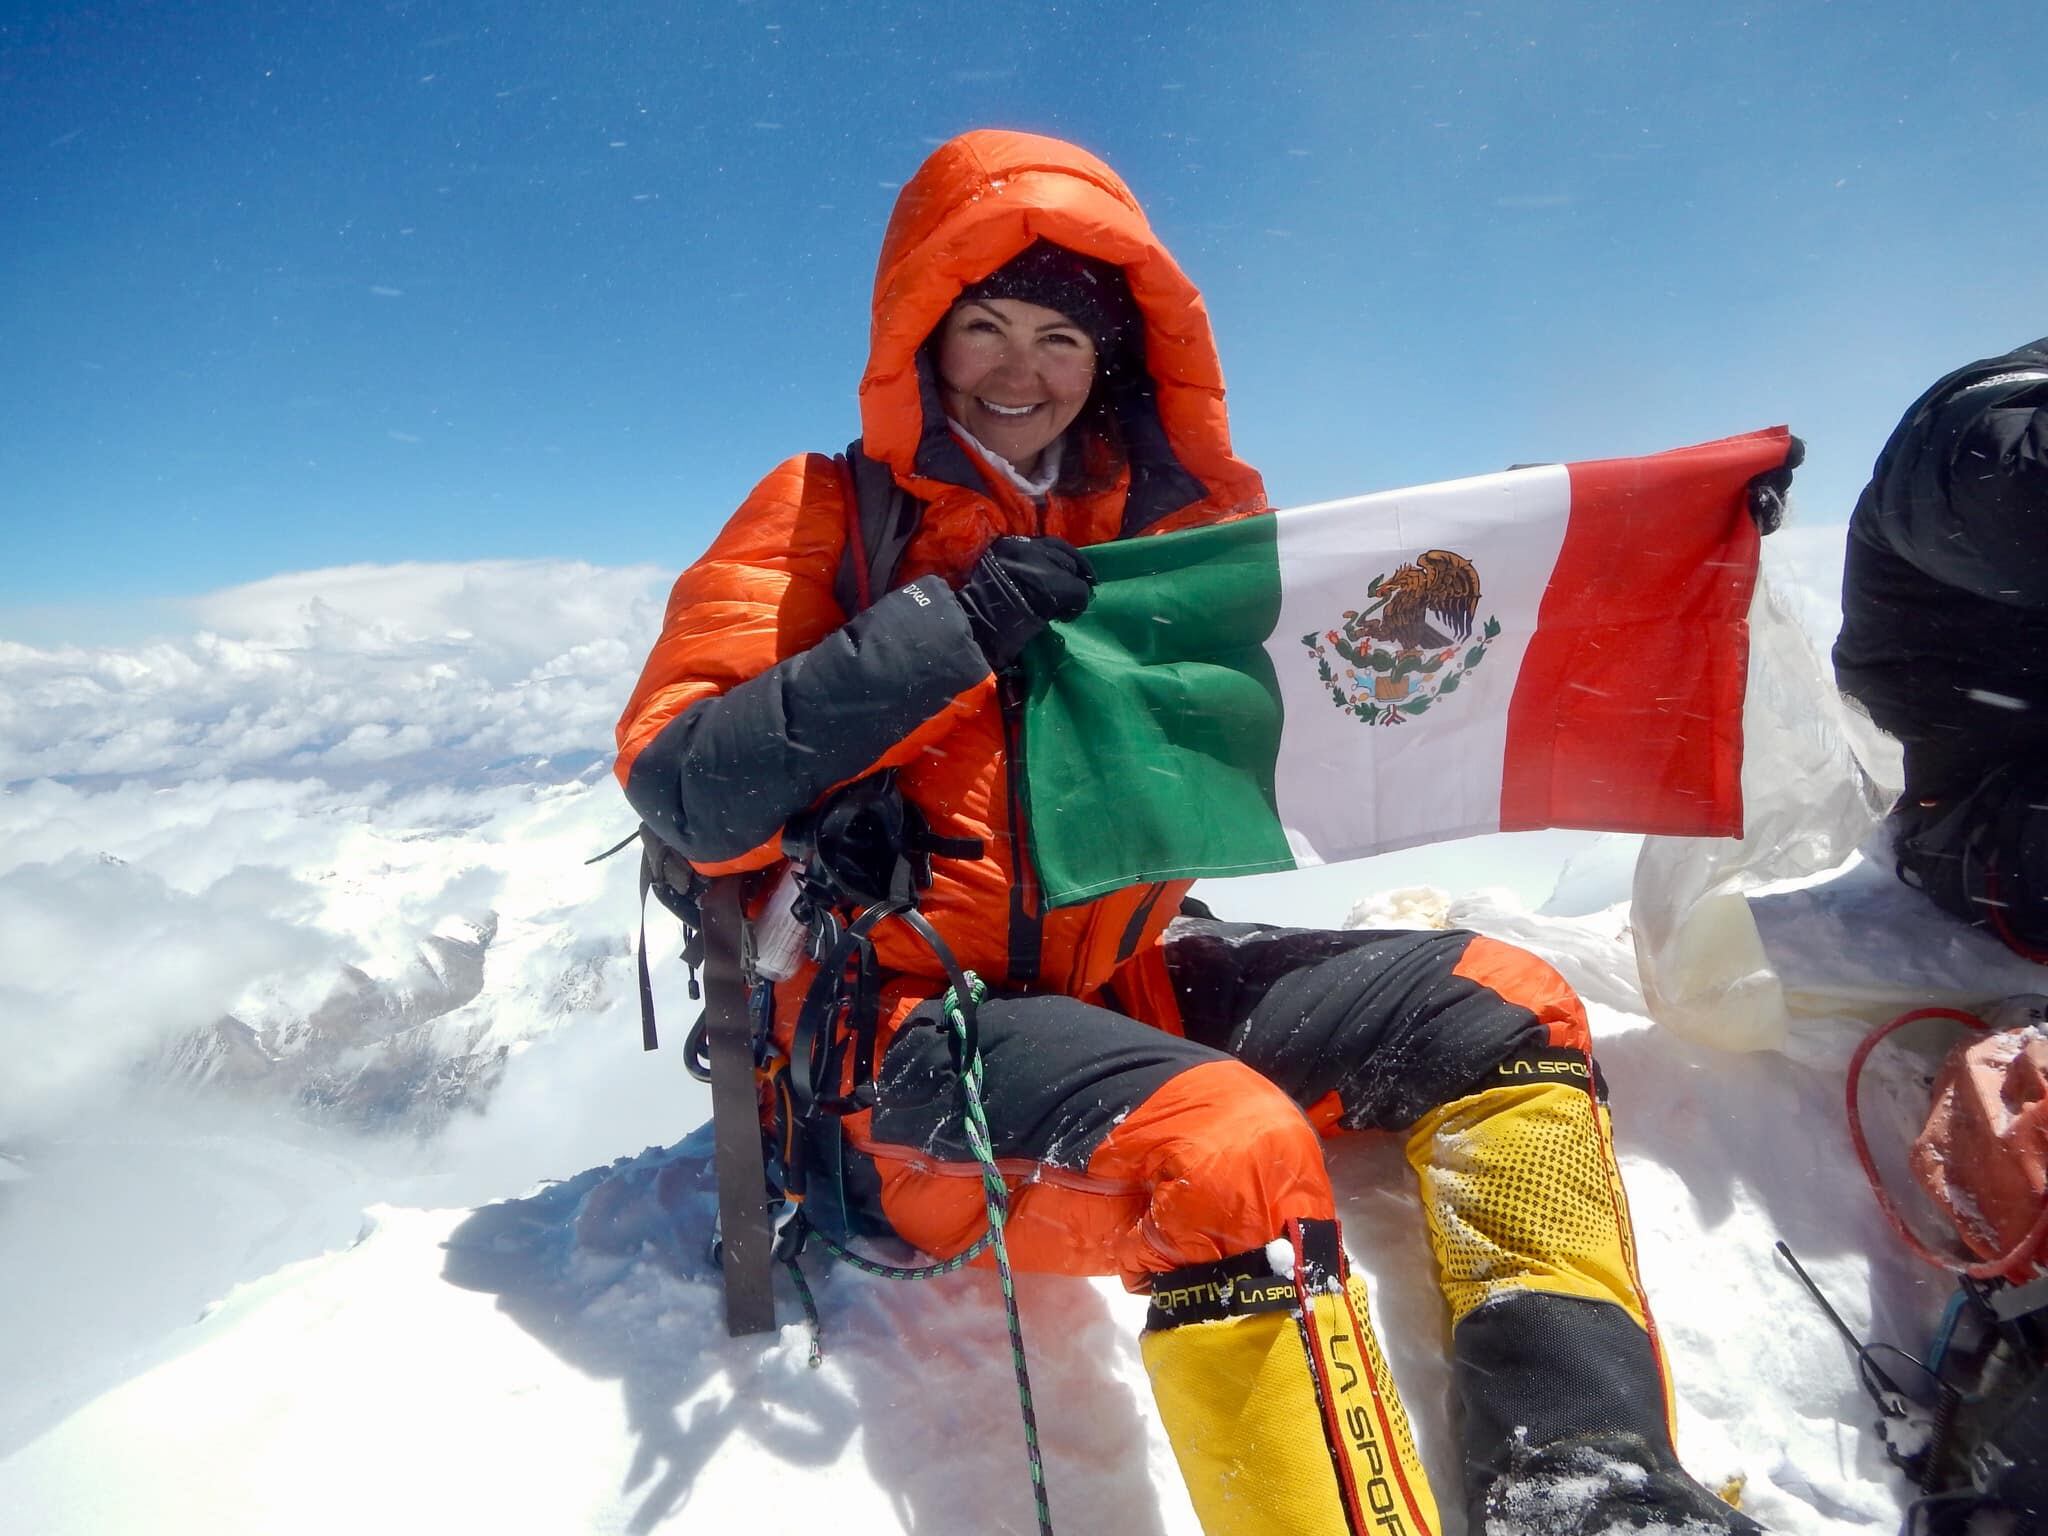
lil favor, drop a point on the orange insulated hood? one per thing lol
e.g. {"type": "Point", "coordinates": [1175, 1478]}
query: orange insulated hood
{"type": "Point", "coordinates": [978, 201]}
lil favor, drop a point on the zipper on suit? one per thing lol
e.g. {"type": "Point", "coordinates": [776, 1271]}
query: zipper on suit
{"type": "Point", "coordinates": [1027, 922]}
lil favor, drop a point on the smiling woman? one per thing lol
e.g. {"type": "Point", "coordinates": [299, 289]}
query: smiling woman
{"type": "Point", "coordinates": [1042, 379]}
{"type": "Point", "coordinates": [1015, 375]}
{"type": "Point", "coordinates": [1038, 345]}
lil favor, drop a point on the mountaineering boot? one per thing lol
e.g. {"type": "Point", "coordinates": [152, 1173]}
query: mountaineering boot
{"type": "Point", "coordinates": [1591, 1484]}
{"type": "Point", "coordinates": [1276, 1398]}
{"type": "Point", "coordinates": [1566, 1407]}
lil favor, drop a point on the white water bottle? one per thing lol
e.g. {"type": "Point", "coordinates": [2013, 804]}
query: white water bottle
{"type": "Point", "coordinates": [778, 936]}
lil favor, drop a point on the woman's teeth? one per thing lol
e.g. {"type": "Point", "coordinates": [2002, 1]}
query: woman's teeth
{"type": "Point", "coordinates": [1006, 410]}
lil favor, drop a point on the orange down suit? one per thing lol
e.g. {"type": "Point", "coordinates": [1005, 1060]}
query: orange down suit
{"type": "Point", "coordinates": [1157, 1082]}
{"type": "Point", "coordinates": [763, 592]}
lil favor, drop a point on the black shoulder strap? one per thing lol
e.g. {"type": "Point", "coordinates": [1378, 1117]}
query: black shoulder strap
{"type": "Point", "coordinates": [882, 519]}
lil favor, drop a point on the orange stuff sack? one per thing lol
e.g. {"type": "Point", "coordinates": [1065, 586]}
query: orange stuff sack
{"type": "Point", "coordinates": [1983, 1155]}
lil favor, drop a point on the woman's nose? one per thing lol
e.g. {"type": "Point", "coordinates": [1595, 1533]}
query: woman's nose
{"type": "Point", "coordinates": [1011, 362]}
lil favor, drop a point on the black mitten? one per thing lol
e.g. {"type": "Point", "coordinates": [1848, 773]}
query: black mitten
{"type": "Point", "coordinates": [1768, 490]}
{"type": "Point", "coordinates": [1017, 587]}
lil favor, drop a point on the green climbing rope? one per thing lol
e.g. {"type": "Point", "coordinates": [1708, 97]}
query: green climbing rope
{"type": "Point", "coordinates": [997, 1195]}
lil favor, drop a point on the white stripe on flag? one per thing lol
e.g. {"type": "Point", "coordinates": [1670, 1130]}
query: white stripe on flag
{"type": "Point", "coordinates": [1344, 785]}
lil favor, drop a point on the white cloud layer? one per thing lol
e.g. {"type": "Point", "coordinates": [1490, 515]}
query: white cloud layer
{"type": "Point", "coordinates": [318, 813]}
{"type": "Point", "coordinates": [409, 668]}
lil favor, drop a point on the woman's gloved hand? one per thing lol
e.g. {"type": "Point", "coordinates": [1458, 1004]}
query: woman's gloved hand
{"type": "Point", "coordinates": [1017, 587]}
{"type": "Point", "coordinates": [1768, 490]}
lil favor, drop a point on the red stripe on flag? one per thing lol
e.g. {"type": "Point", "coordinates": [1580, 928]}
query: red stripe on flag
{"type": "Point", "coordinates": [1627, 713]}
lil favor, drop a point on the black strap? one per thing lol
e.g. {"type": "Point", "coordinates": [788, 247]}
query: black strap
{"type": "Point", "coordinates": [661, 868]}
{"type": "Point", "coordinates": [627, 841]}
{"type": "Point", "coordinates": [640, 835]}
{"type": "Point", "coordinates": [648, 1040]}
{"type": "Point", "coordinates": [746, 1236]}
{"type": "Point", "coordinates": [968, 1041]}
{"type": "Point", "coordinates": [817, 1048]}
{"type": "Point", "coordinates": [887, 518]}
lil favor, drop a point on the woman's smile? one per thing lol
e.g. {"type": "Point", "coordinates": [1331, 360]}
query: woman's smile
{"type": "Point", "coordinates": [1015, 374]}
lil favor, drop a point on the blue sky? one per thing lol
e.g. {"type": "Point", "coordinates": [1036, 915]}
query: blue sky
{"type": "Point", "coordinates": [284, 287]}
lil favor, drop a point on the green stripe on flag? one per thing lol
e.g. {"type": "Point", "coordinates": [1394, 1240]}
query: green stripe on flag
{"type": "Point", "coordinates": [1151, 723]}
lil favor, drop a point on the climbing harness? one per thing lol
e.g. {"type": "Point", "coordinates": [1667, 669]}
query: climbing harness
{"type": "Point", "coordinates": [867, 852]}
{"type": "Point", "coordinates": [957, 1008]}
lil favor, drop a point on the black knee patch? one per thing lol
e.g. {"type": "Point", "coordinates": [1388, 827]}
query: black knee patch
{"type": "Point", "coordinates": [1058, 1077]}
{"type": "Point", "coordinates": [1221, 971]}
{"type": "Point", "coordinates": [1378, 1018]}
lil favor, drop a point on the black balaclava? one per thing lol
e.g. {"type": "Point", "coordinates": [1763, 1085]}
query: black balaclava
{"type": "Point", "coordinates": [1093, 294]}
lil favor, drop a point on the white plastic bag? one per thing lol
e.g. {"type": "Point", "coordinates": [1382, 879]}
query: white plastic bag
{"type": "Point", "coordinates": [1817, 779]}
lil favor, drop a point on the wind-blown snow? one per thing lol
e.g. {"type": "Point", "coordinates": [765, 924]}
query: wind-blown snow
{"type": "Point", "coordinates": [255, 990]}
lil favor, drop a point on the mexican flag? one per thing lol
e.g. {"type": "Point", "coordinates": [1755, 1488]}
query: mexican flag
{"type": "Point", "coordinates": [1558, 646]}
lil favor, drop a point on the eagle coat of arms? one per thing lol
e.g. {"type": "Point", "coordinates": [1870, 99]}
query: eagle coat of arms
{"type": "Point", "coordinates": [1397, 656]}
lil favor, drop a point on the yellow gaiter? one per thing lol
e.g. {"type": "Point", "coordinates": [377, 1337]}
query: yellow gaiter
{"type": "Point", "coordinates": [1277, 1399]}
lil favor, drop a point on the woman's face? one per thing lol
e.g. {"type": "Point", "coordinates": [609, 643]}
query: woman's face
{"type": "Point", "coordinates": [1014, 374]}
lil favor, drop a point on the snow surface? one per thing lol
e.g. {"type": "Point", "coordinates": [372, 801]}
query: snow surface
{"type": "Point", "coordinates": [307, 1229]}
